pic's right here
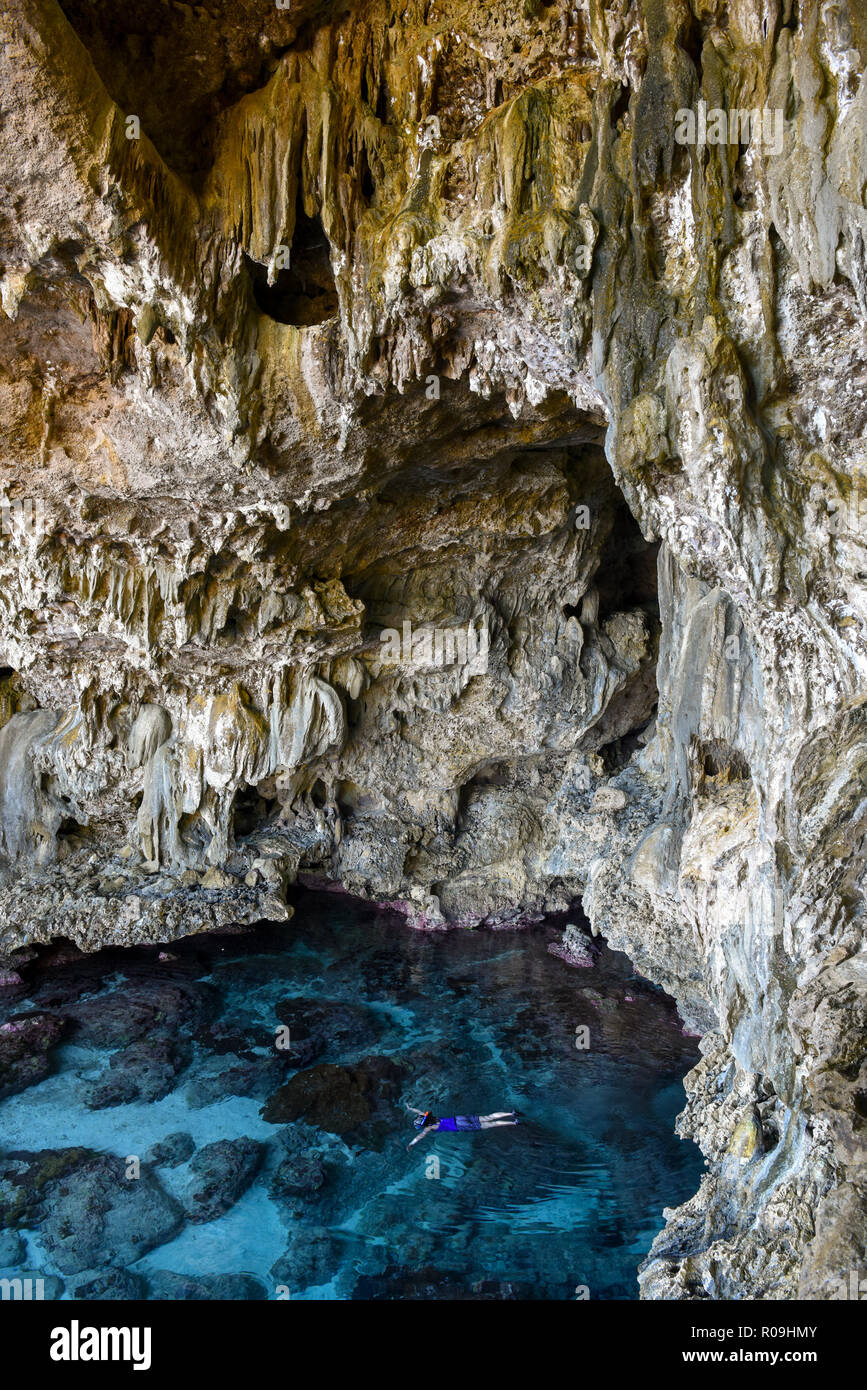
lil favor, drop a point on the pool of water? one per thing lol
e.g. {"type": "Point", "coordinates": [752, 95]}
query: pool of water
{"type": "Point", "coordinates": [563, 1204]}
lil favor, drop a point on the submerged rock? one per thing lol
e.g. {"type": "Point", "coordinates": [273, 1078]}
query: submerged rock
{"type": "Point", "coordinates": [219, 1174]}
{"type": "Point", "coordinates": [163, 1284]}
{"type": "Point", "coordinates": [343, 1100]}
{"type": "Point", "coordinates": [298, 1175]}
{"type": "Point", "coordinates": [232, 1076]}
{"type": "Point", "coordinates": [319, 1028]}
{"type": "Point", "coordinates": [314, 1256]}
{"type": "Point", "coordinates": [599, 1001]}
{"type": "Point", "coordinates": [95, 1216]}
{"type": "Point", "coordinates": [108, 1284]}
{"type": "Point", "coordinates": [122, 1017]}
{"type": "Point", "coordinates": [27, 1180]}
{"type": "Point", "coordinates": [26, 1042]}
{"type": "Point", "coordinates": [226, 1036]}
{"type": "Point", "coordinates": [173, 1150]}
{"type": "Point", "coordinates": [331, 1097]}
{"type": "Point", "coordinates": [144, 1070]}
{"type": "Point", "coordinates": [11, 1249]}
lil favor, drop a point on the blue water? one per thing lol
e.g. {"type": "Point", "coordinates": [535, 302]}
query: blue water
{"type": "Point", "coordinates": [481, 1021]}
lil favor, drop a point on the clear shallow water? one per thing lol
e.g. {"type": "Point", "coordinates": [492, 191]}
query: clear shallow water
{"type": "Point", "coordinates": [477, 1022]}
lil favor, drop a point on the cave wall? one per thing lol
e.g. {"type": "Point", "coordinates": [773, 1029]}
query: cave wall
{"type": "Point", "coordinates": [322, 322]}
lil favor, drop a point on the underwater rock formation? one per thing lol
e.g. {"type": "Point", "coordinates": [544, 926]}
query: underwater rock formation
{"type": "Point", "coordinates": [439, 318]}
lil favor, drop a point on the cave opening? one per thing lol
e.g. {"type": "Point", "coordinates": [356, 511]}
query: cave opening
{"type": "Point", "coordinates": [625, 580]}
{"type": "Point", "coordinates": [71, 829]}
{"type": "Point", "coordinates": [691, 42]}
{"type": "Point", "coordinates": [252, 810]}
{"type": "Point", "coordinates": [620, 106]}
{"type": "Point", "coordinates": [627, 574]}
{"type": "Point", "coordinates": [303, 292]}
{"type": "Point", "coordinates": [619, 751]}
{"type": "Point", "coordinates": [234, 628]}
{"type": "Point", "coordinates": [319, 794]}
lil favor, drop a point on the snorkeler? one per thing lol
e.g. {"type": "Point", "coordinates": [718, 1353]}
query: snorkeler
{"type": "Point", "coordinates": [427, 1122]}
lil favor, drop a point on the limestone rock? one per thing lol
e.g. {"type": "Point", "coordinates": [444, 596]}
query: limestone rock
{"type": "Point", "coordinates": [336, 337]}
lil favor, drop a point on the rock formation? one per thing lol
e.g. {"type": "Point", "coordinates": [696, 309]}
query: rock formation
{"type": "Point", "coordinates": [533, 334]}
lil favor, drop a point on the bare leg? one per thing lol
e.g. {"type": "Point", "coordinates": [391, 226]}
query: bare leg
{"type": "Point", "coordinates": [488, 1123]}
{"type": "Point", "coordinates": [498, 1115]}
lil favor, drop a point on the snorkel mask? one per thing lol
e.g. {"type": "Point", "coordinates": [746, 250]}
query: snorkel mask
{"type": "Point", "coordinates": [421, 1120]}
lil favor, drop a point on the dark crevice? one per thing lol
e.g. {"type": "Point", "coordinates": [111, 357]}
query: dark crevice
{"type": "Point", "coordinates": [251, 811]}
{"type": "Point", "coordinates": [383, 102]}
{"type": "Point", "coordinates": [233, 629]}
{"type": "Point", "coordinates": [304, 292]}
{"type": "Point", "coordinates": [719, 760]}
{"type": "Point", "coordinates": [620, 106]}
{"type": "Point", "coordinates": [616, 754]}
{"type": "Point", "coordinates": [70, 828]}
{"type": "Point", "coordinates": [627, 573]}
{"type": "Point", "coordinates": [691, 41]}
{"type": "Point", "coordinates": [368, 187]}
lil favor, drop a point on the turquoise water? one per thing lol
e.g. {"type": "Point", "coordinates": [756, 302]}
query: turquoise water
{"type": "Point", "coordinates": [472, 1022]}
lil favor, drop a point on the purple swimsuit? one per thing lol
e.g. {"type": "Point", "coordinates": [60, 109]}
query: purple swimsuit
{"type": "Point", "coordinates": [461, 1122]}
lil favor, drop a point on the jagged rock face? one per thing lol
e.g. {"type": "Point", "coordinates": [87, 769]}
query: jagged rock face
{"type": "Point", "coordinates": [319, 323]}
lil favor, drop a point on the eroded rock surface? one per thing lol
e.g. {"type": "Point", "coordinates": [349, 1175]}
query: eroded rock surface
{"type": "Point", "coordinates": [220, 1173]}
{"type": "Point", "coordinates": [335, 338]}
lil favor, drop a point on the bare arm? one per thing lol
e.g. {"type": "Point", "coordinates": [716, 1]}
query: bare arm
{"type": "Point", "coordinates": [414, 1111]}
{"type": "Point", "coordinates": [427, 1130]}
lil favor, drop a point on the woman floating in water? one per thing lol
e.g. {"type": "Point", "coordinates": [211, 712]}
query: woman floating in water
{"type": "Point", "coordinates": [427, 1122]}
